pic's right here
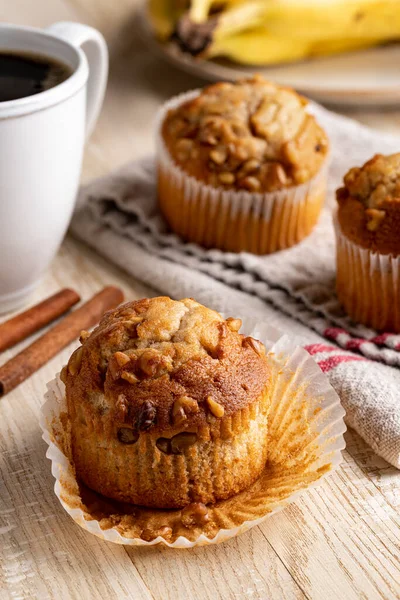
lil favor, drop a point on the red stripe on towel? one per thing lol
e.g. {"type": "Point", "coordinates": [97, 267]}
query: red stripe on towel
{"type": "Point", "coordinates": [355, 343]}
{"type": "Point", "coordinates": [380, 340]}
{"type": "Point", "coordinates": [335, 361]}
{"type": "Point", "coordinates": [317, 348]}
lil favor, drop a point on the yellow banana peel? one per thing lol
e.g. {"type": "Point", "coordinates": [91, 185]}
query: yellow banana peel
{"type": "Point", "coordinates": [255, 48]}
{"type": "Point", "coordinates": [264, 32]}
{"type": "Point", "coordinates": [163, 16]}
{"type": "Point", "coordinates": [311, 20]}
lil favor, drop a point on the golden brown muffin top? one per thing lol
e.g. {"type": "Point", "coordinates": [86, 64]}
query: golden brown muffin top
{"type": "Point", "coordinates": [250, 135]}
{"type": "Point", "coordinates": [159, 364]}
{"type": "Point", "coordinates": [369, 204]}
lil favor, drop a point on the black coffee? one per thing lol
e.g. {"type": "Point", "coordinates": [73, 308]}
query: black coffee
{"type": "Point", "coordinates": [23, 75]}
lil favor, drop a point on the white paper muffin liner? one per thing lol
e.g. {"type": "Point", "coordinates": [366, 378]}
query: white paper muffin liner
{"type": "Point", "coordinates": [232, 220]}
{"type": "Point", "coordinates": [368, 284]}
{"type": "Point", "coordinates": [305, 428]}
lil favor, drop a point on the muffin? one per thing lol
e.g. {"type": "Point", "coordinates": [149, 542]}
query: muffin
{"type": "Point", "coordinates": [368, 243]}
{"type": "Point", "coordinates": [168, 405]}
{"type": "Point", "coordinates": [241, 166]}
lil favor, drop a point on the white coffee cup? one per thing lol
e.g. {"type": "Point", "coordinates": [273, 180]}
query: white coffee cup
{"type": "Point", "coordinates": [41, 146]}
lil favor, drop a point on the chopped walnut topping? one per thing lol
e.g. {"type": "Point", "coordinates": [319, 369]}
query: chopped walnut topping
{"type": "Point", "coordinates": [83, 336]}
{"type": "Point", "coordinates": [375, 218]}
{"type": "Point", "coordinates": [148, 535]}
{"type": "Point", "coordinates": [75, 361]}
{"type": "Point", "coordinates": [184, 148]}
{"type": "Point", "coordinates": [195, 514]}
{"type": "Point", "coordinates": [121, 359]}
{"type": "Point", "coordinates": [134, 320]}
{"type": "Point", "coordinates": [234, 324]}
{"type": "Point", "coordinates": [153, 364]}
{"type": "Point", "coordinates": [218, 155]}
{"type": "Point", "coordinates": [240, 152]}
{"type": "Point", "coordinates": [278, 174]}
{"type": "Point", "coordinates": [251, 184]}
{"type": "Point", "coordinates": [256, 345]}
{"type": "Point", "coordinates": [216, 408]}
{"type": "Point", "coordinates": [226, 178]}
{"type": "Point", "coordinates": [129, 377]}
{"type": "Point", "coordinates": [182, 407]}
{"type": "Point", "coordinates": [376, 181]}
{"type": "Point", "coordinates": [178, 415]}
{"type": "Point", "coordinates": [114, 368]}
{"type": "Point", "coordinates": [249, 167]}
{"type": "Point", "coordinates": [240, 130]}
{"type": "Point", "coordinates": [165, 532]}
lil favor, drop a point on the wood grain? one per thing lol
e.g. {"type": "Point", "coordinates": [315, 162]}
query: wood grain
{"type": "Point", "coordinates": [339, 541]}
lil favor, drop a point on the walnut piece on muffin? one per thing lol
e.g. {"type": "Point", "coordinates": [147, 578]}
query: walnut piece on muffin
{"type": "Point", "coordinates": [251, 135]}
{"type": "Point", "coordinates": [168, 405]}
{"type": "Point", "coordinates": [369, 204]}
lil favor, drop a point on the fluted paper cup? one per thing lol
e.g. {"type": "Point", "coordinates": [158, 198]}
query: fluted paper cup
{"type": "Point", "coordinates": [231, 220]}
{"type": "Point", "coordinates": [306, 438]}
{"type": "Point", "coordinates": [368, 284]}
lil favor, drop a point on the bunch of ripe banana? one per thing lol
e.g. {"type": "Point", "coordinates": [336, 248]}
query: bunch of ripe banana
{"type": "Point", "coordinates": [262, 32]}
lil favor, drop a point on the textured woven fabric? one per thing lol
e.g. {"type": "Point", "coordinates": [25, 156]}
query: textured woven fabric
{"type": "Point", "coordinates": [293, 289]}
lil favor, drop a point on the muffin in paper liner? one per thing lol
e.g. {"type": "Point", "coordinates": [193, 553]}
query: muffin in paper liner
{"type": "Point", "coordinates": [230, 220]}
{"type": "Point", "coordinates": [306, 438]}
{"type": "Point", "coordinates": [368, 284]}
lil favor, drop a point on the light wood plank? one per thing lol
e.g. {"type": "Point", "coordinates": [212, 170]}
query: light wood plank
{"type": "Point", "coordinates": [342, 538]}
{"type": "Point", "coordinates": [246, 567]}
{"type": "Point", "coordinates": [379, 472]}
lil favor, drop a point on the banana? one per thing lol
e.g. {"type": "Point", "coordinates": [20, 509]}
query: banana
{"type": "Point", "coordinates": [163, 15]}
{"type": "Point", "coordinates": [199, 10]}
{"type": "Point", "coordinates": [254, 47]}
{"type": "Point", "coordinates": [334, 19]}
{"type": "Point", "coordinates": [241, 16]}
{"type": "Point", "coordinates": [314, 20]}
{"type": "Point", "coordinates": [274, 31]}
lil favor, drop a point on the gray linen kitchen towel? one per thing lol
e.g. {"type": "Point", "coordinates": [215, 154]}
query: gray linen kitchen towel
{"type": "Point", "coordinates": [292, 289]}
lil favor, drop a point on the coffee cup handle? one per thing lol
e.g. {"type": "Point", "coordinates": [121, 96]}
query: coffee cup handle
{"type": "Point", "coordinates": [92, 43]}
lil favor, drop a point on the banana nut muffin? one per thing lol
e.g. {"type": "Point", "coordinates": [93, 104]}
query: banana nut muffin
{"type": "Point", "coordinates": [369, 204]}
{"type": "Point", "coordinates": [241, 166]}
{"type": "Point", "coordinates": [168, 405]}
{"type": "Point", "coordinates": [250, 135]}
{"type": "Point", "coordinates": [368, 245]}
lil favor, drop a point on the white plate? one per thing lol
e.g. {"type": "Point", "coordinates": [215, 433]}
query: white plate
{"type": "Point", "coordinates": [369, 77]}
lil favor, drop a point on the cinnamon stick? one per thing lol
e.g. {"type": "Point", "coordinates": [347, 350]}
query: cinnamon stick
{"type": "Point", "coordinates": [19, 368]}
{"type": "Point", "coordinates": [23, 325]}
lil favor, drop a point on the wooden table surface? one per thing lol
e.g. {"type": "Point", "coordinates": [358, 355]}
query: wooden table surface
{"type": "Point", "coordinates": [339, 541]}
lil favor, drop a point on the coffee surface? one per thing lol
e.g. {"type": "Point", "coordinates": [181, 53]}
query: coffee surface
{"type": "Point", "coordinates": [23, 75]}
